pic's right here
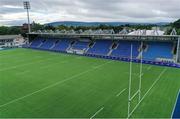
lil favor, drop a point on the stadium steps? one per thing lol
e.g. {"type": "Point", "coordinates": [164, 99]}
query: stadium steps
{"type": "Point", "coordinates": [29, 45]}
{"type": "Point", "coordinates": [111, 48]}
{"type": "Point", "coordinates": [47, 44]}
{"type": "Point", "coordinates": [40, 45]}
{"type": "Point", "coordinates": [71, 46]}
{"type": "Point", "coordinates": [36, 43]}
{"type": "Point", "coordinates": [139, 56]}
{"type": "Point", "coordinates": [56, 45]}
{"type": "Point", "coordinates": [89, 46]}
{"type": "Point", "coordinates": [52, 46]}
{"type": "Point", "coordinates": [124, 49]}
{"type": "Point", "coordinates": [94, 43]}
{"type": "Point", "coordinates": [80, 45]}
{"type": "Point", "coordinates": [141, 50]}
{"type": "Point", "coordinates": [146, 49]}
{"type": "Point", "coordinates": [102, 47]}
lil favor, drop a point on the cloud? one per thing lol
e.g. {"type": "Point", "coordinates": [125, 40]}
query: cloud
{"type": "Point", "coordinates": [43, 11]}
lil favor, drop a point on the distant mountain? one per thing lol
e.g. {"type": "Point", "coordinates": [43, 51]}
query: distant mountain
{"type": "Point", "coordinates": [74, 23]}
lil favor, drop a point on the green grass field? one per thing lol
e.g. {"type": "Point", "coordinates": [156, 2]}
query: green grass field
{"type": "Point", "coordinates": [41, 84]}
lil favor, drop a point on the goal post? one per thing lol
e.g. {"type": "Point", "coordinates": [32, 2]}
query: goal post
{"type": "Point", "coordinates": [138, 92]}
{"type": "Point", "coordinates": [130, 79]}
{"type": "Point", "coordinates": [140, 72]}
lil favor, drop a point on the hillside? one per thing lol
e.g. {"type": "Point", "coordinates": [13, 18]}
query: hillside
{"type": "Point", "coordinates": [74, 23]}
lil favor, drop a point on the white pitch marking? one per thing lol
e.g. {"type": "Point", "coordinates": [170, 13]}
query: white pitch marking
{"type": "Point", "coordinates": [121, 92]}
{"type": "Point", "coordinates": [142, 74]}
{"type": "Point", "coordinates": [14, 67]}
{"type": "Point", "coordinates": [52, 85]}
{"type": "Point", "coordinates": [47, 66]}
{"type": "Point", "coordinates": [149, 67]}
{"type": "Point", "coordinates": [96, 67]}
{"type": "Point", "coordinates": [97, 113]}
{"type": "Point", "coordinates": [157, 79]}
{"type": "Point", "coordinates": [11, 56]}
{"type": "Point", "coordinates": [134, 74]}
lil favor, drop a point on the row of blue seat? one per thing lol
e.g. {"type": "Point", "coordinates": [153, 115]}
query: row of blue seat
{"type": "Point", "coordinates": [167, 64]}
{"type": "Point", "coordinates": [80, 45]}
{"type": "Point", "coordinates": [124, 49]}
{"type": "Point", "coordinates": [159, 50]}
{"type": "Point", "coordinates": [36, 43]}
{"type": "Point", "coordinates": [102, 47]}
{"type": "Point", "coordinates": [61, 45]}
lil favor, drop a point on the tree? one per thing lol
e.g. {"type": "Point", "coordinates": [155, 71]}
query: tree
{"type": "Point", "coordinates": [176, 24]}
{"type": "Point", "coordinates": [37, 26]}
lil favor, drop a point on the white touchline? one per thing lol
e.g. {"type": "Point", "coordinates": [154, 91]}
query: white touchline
{"type": "Point", "coordinates": [97, 112]}
{"type": "Point", "coordinates": [121, 92]}
{"type": "Point", "coordinates": [149, 67]}
{"type": "Point", "coordinates": [157, 79]}
{"type": "Point", "coordinates": [175, 104]}
{"type": "Point", "coordinates": [53, 85]}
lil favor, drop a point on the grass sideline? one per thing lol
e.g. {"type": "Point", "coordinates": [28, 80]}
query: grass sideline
{"type": "Point", "coordinates": [44, 84]}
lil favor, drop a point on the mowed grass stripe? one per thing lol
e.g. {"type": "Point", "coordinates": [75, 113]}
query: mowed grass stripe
{"type": "Point", "coordinates": [52, 85]}
{"type": "Point", "coordinates": [37, 72]}
{"type": "Point", "coordinates": [27, 57]}
{"type": "Point", "coordinates": [84, 95]}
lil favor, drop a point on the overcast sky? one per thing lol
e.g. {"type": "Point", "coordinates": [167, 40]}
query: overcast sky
{"type": "Point", "coordinates": [44, 11]}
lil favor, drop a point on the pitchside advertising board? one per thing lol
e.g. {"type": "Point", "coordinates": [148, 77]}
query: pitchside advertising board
{"type": "Point", "coordinates": [137, 60]}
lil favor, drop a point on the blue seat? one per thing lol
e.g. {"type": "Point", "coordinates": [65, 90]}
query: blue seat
{"type": "Point", "coordinates": [62, 45]}
{"type": "Point", "coordinates": [79, 45]}
{"type": "Point", "coordinates": [158, 50]}
{"type": "Point", "coordinates": [47, 44]}
{"type": "Point", "coordinates": [35, 43]}
{"type": "Point", "coordinates": [124, 49]}
{"type": "Point", "coordinates": [101, 47]}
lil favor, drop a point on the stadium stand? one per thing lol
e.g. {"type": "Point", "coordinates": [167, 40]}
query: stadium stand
{"type": "Point", "coordinates": [47, 44]}
{"type": "Point", "coordinates": [124, 49]}
{"type": "Point", "coordinates": [158, 50]}
{"type": "Point", "coordinates": [62, 45]}
{"type": "Point", "coordinates": [152, 51]}
{"type": "Point", "coordinates": [80, 45]}
{"type": "Point", "coordinates": [101, 47]}
{"type": "Point", "coordinates": [36, 43]}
